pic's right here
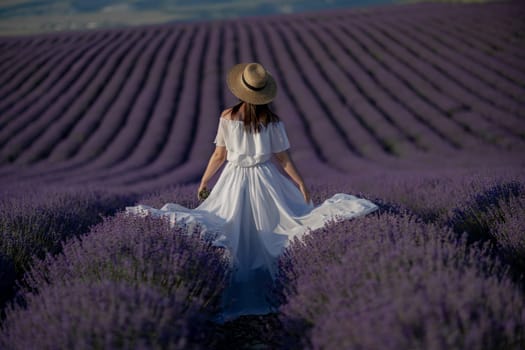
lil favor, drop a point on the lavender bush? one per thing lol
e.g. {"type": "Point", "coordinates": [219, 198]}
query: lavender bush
{"type": "Point", "coordinates": [389, 281]}
{"type": "Point", "coordinates": [7, 277]}
{"type": "Point", "coordinates": [509, 231]}
{"type": "Point", "coordinates": [140, 250]}
{"type": "Point", "coordinates": [105, 314]}
{"type": "Point", "coordinates": [37, 219]}
{"type": "Point", "coordinates": [495, 215]}
{"type": "Point", "coordinates": [185, 195]}
{"type": "Point", "coordinates": [479, 212]}
{"type": "Point", "coordinates": [433, 195]}
{"type": "Point", "coordinates": [143, 252]}
{"type": "Point", "coordinates": [472, 202]}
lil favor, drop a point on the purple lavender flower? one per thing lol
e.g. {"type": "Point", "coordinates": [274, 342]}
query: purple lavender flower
{"type": "Point", "coordinates": [35, 220]}
{"type": "Point", "coordinates": [142, 250]}
{"type": "Point", "coordinates": [388, 281]}
{"type": "Point", "coordinates": [143, 253]}
{"type": "Point", "coordinates": [102, 314]}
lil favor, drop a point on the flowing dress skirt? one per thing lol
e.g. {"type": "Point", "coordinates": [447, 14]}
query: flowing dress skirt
{"type": "Point", "coordinates": [255, 212]}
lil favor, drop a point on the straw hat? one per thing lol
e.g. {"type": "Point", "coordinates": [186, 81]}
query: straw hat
{"type": "Point", "coordinates": [251, 83]}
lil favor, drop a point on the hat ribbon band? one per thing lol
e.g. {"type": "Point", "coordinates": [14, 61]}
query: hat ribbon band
{"type": "Point", "coordinates": [251, 86]}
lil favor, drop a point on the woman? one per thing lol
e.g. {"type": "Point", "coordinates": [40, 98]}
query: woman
{"type": "Point", "coordinates": [254, 210]}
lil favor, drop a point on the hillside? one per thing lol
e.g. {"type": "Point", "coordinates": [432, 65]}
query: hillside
{"type": "Point", "coordinates": [412, 86]}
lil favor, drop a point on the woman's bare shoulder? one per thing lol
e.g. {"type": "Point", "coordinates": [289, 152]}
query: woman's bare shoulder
{"type": "Point", "coordinates": [226, 114]}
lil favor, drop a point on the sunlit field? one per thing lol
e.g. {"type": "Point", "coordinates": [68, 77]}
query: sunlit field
{"type": "Point", "coordinates": [418, 107]}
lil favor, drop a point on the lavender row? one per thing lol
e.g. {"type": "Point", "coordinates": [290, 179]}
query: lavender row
{"type": "Point", "coordinates": [337, 66]}
{"type": "Point", "coordinates": [184, 124]}
{"type": "Point", "coordinates": [401, 49]}
{"type": "Point", "coordinates": [90, 83]}
{"type": "Point", "coordinates": [88, 167]}
{"type": "Point", "coordinates": [469, 90]}
{"type": "Point", "coordinates": [126, 316]}
{"type": "Point", "coordinates": [502, 92]}
{"type": "Point", "coordinates": [87, 131]}
{"type": "Point", "coordinates": [417, 94]}
{"type": "Point", "coordinates": [428, 104]}
{"type": "Point", "coordinates": [159, 285]}
{"type": "Point", "coordinates": [109, 50]}
{"type": "Point", "coordinates": [24, 67]}
{"type": "Point", "coordinates": [391, 281]}
{"type": "Point", "coordinates": [303, 95]}
{"type": "Point", "coordinates": [41, 114]}
{"type": "Point", "coordinates": [303, 56]}
{"type": "Point", "coordinates": [347, 111]}
{"type": "Point", "coordinates": [107, 85]}
{"type": "Point", "coordinates": [143, 86]}
{"type": "Point", "coordinates": [491, 55]}
{"type": "Point", "coordinates": [497, 215]}
{"type": "Point", "coordinates": [378, 91]}
{"type": "Point", "coordinates": [478, 203]}
{"type": "Point", "coordinates": [127, 84]}
{"type": "Point", "coordinates": [179, 142]}
{"type": "Point", "coordinates": [170, 64]}
{"type": "Point", "coordinates": [483, 120]}
{"type": "Point", "coordinates": [18, 58]}
{"type": "Point", "coordinates": [374, 88]}
{"type": "Point", "coordinates": [36, 220]}
{"type": "Point", "coordinates": [34, 76]}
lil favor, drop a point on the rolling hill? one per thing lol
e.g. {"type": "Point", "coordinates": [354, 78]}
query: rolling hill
{"type": "Point", "coordinates": [426, 85]}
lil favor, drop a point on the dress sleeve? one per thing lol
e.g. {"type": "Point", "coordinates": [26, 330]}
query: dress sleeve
{"type": "Point", "coordinates": [219, 138]}
{"type": "Point", "coordinates": [278, 138]}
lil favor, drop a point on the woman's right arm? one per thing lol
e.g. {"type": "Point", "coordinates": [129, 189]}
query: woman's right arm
{"type": "Point", "coordinates": [285, 160]}
{"type": "Point", "coordinates": [217, 158]}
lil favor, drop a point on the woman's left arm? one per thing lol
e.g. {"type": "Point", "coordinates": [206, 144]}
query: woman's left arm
{"type": "Point", "coordinates": [216, 160]}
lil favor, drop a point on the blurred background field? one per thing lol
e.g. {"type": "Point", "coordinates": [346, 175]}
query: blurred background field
{"type": "Point", "coordinates": [407, 86]}
{"type": "Point", "coordinates": [416, 106]}
{"type": "Point", "coordinates": [20, 17]}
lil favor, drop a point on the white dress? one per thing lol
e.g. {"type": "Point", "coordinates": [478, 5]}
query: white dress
{"type": "Point", "coordinates": [255, 211]}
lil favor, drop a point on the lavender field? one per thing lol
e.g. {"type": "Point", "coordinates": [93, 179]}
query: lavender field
{"type": "Point", "coordinates": [417, 107]}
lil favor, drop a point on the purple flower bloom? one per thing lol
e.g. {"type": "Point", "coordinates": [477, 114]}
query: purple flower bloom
{"type": "Point", "coordinates": [387, 281]}
{"type": "Point", "coordinates": [144, 253]}
{"type": "Point", "coordinates": [140, 250]}
{"type": "Point", "coordinates": [38, 219]}
{"type": "Point", "coordinates": [103, 314]}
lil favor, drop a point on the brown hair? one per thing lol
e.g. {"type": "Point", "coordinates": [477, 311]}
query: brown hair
{"type": "Point", "coordinates": [255, 115]}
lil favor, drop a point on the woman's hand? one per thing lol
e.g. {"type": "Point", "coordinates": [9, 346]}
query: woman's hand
{"type": "Point", "coordinates": [202, 192]}
{"type": "Point", "coordinates": [305, 192]}
{"type": "Point", "coordinates": [216, 160]}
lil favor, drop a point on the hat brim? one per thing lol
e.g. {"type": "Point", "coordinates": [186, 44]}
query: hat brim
{"type": "Point", "coordinates": [256, 97]}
